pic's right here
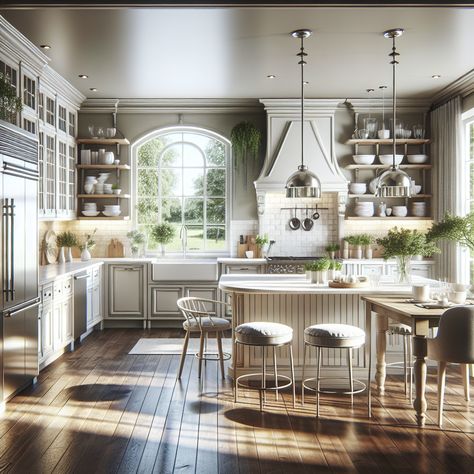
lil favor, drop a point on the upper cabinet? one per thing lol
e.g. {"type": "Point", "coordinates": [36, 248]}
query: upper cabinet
{"type": "Point", "coordinates": [50, 107]}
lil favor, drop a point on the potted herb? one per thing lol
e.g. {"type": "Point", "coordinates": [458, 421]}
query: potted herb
{"type": "Point", "coordinates": [334, 270]}
{"type": "Point", "coordinates": [116, 189]}
{"type": "Point", "coordinates": [245, 138]}
{"type": "Point", "coordinates": [137, 239]}
{"type": "Point", "coordinates": [331, 249]}
{"type": "Point", "coordinates": [366, 240]}
{"type": "Point", "coordinates": [163, 234]}
{"type": "Point", "coordinates": [261, 241]}
{"type": "Point", "coordinates": [356, 241]}
{"type": "Point", "coordinates": [87, 246]}
{"type": "Point", "coordinates": [10, 104]}
{"type": "Point", "coordinates": [308, 270]}
{"type": "Point", "coordinates": [403, 244]}
{"type": "Point", "coordinates": [319, 271]}
{"type": "Point", "coordinates": [66, 240]}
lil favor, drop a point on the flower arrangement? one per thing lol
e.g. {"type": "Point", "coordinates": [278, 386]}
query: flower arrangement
{"type": "Point", "coordinates": [89, 242]}
{"type": "Point", "coordinates": [137, 239]}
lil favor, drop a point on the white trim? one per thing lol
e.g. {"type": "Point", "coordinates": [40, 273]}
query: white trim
{"type": "Point", "coordinates": [462, 86]}
{"type": "Point", "coordinates": [149, 135]}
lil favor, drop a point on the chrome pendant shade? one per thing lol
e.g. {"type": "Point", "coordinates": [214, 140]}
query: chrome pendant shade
{"type": "Point", "coordinates": [303, 182]}
{"type": "Point", "coordinates": [394, 182]}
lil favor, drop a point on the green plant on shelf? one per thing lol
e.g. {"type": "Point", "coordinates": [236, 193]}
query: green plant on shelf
{"type": "Point", "coordinates": [66, 239]}
{"type": "Point", "coordinates": [320, 265]}
{"type": "Point", "coordinates": [335, 265]}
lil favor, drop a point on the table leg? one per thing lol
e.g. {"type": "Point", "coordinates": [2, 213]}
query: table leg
{"type": "Point", "coordinates": [420, 351]}
{"type": "Point", "coordinates": [380, 374]}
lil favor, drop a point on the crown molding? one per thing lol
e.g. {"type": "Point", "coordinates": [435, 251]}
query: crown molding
{"type": "Point", "coordinates": [171, 106]}
{"type": "Point", "coordinates": [462, 86]}
{"type": "Point", "coordinates": [57, 82]}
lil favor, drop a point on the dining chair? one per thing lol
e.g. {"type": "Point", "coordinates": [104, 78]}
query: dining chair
{"type": "Point", "coordinates": [454, 343]}
{"type": "Point", "coordinates": [201, 316]}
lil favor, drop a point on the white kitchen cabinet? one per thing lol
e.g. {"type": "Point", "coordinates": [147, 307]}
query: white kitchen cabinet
{"type": "Point", "coordinates": [45, 343]}
{"type": "Point", "coordinates": [163, 302]}
{"type": "Point", "coordinates": [126, 291]}
{"type": "Point", "coordinates": [368, 269]}
{"type": "Point", "coordinates": [239, 269]}
{"type": "Point", "coordinates": [94, 297]}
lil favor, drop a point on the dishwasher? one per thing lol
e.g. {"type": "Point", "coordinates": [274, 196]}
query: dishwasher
{"type": "Point", "coordinates": [80, 304]}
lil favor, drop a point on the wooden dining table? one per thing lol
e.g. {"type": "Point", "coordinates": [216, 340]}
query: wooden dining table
{"type": "Point", "coordinates": [401, 310]}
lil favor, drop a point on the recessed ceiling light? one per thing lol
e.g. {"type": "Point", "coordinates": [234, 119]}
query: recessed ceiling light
{"type": "Point", "coordinates": [83, 76]}
{"type": "Point", "coordinates": [93, 89]}
{"type": "Point", "coordinates": [45, 46]}
{"type": "Point", "coordinates": [271, 76]}
{"type": "Point", "coordinates": [436, 76]}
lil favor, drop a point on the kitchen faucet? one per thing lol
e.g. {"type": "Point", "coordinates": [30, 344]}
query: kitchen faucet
{"type": "Point", "coordinates": [183, 235]}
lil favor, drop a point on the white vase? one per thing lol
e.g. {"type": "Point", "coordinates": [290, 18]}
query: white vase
{"type": "Point", "coordinates": [61, 257]}
{"type": "Point", "coordinates": [358, 252]}
{"type": "Point", "coordinates": [69, 254]}
{"type": "Point", "coordinates": [368, 251]}
{"type": "Point", "coordinates": [319, 277]}
{"type": "Point", "coordinates": [162, 250]}
{"type": "Point", "coordinates": [85, 254]}
{"type": "Point", "coordinates": [345, 251]}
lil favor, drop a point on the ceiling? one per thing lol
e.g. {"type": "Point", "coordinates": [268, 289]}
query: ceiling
{"type": "Point", "coordinates": [228, 52]}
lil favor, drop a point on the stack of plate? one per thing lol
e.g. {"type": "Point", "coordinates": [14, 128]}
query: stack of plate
{"type": "Point", "coordinates": [364, 209]}
{"type": "Point", "coordinates": [418, 209]}
{"type": "Point", "coordinates": [112, 210]}
{"type": "Point", "coordinates": [90, 209]}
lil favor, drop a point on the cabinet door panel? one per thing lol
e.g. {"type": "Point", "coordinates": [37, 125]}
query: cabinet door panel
{"type": "Point", "coordinates": [46, 331]}
{"type": "Point", "coordinates": [236, 269]}
{"type": "Point", "coordinates": [126, 291]}
{"type": "Point", "coordinates": [209, 293]}
{"type": "Point", "coordinates": [90, 310]}
{"type": "Point", "coordinates": [57, 330]}
{"type": "Point", "coordinates": [96, 304]}
{"type": "Point", "coordinates": [163, 302]}
{"type": "Point", "coordinates": [67, 321]}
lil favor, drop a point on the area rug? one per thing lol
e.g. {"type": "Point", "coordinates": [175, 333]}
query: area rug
{"type": "Point", "coordinates": [164, 346]}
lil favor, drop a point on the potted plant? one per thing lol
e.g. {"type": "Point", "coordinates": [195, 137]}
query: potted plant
{"type": "Point", "coordinates": [163, 234]}
{"type": "Point", "coordinates": [261, 241]}
{"type": "Point", "coordinates": [345, 250]}
{"type": "Point", "coordinates": [87, 246]}
{"type": "Point", "coordinates": [137, 239]}
{"type": "Point", "coordinates": [334, 270]}
{"type": "Point", "coordinates": [319, 271]}
{"type": "Point", "coordinates": [66, 240]}
{"type": "Point", "coordinates": [116, 189]}
{"type": "Point", "coordinates": [10, 104]}
{"type": "Point", "coordinates": [403, 244]}
{"type": "Point", "coordinates": [308, 270]}
{"type": "Point", "coordinates": [357, 242]}
{"type": "Point", "coordinates": [366, 240]}
{"type": "Point", "coordinates": [331, 249]}
{"type": "Point", "coordinates": [245, 138]}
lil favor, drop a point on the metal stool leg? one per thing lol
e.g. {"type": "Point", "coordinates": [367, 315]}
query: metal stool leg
{"type": "Point", "coordinates": [275, 372]}
{"type": "Point", "coordinates": [318, 372]}
{"type": "Point", "coordinates": [304, 366]}
{"type": "Point", "coordinates": [234, 362]}
{"type": "Point", "coordinates": [264, 376]}
{"type": "Point", "coordinates": [351, 382]}
{"type": "Point", "coordinates": [405, 371]}
{"type": "Point", "coordinates": [410, 362]}
{"type": "Point", "coordinates": [292, 367]}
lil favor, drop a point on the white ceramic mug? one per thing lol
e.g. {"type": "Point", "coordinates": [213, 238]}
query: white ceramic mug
{"type": "Point", "coordinates": [421, 292]}
{"type": "Point", "coordinates": [249, 253]}
{"type": "Point", "coordinates": [457, 297]}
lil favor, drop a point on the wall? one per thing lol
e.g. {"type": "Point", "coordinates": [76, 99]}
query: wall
{"type": "Point", "coordinates": [468, 103]}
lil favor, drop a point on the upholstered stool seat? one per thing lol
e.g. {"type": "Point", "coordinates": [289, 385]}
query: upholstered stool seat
{"type": "Point", "coordinates": [334, 336]}
{"type": "Point", "coordinates": [264, 334]}
{"type": "Point", "coordinates": [207, 324]}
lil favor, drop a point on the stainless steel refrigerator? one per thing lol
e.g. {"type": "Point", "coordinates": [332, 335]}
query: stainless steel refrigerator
{"type": "Point", "coordinates": [19, 259]}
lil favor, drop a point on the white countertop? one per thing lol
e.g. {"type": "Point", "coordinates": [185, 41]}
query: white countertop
{"type": "Point", "coordinates": [298, 284]}
{"type": "Point", "coordinates": [242, 261]}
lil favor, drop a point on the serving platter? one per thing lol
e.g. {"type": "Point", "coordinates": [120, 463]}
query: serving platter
{"type": "Point", "coordinates": [341, 284]}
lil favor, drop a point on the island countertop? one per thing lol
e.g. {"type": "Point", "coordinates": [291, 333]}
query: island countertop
{"type": "Point", "coordinates": [300, 285]}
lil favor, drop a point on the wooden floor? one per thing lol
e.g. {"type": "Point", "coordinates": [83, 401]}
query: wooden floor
{"type": "Point", "coordinates": [99, 409]}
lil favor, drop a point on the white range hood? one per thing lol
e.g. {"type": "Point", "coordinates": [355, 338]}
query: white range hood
{"type": "Point", "coordinates": [284, 145]}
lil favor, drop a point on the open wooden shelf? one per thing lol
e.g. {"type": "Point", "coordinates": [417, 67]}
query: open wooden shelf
{"type": "Point", "coordinates": [103, 141]}
{"type": "Point", "coordinates": [103, 218]}
{"type": "Point", "coordinates": [411, 218]}
{"type": "Point", "coordinates": [380, 166]}
{"type": "Point", "coordinates": [387, 141]}
{"type": "Point", "coordinates": [103, 167]}
{"type": "Point", "coordinates": [371, 196]}
{"type": "Point", "coordinates": [103, 196]}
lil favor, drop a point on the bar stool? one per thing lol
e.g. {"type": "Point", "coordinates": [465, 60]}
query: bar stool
{"type": "Point", "coordinates": [403, 330]}
{"type": "Point", "coordinates": [335, 336]}
{"type": "Point", "coordinates": [264, 334]}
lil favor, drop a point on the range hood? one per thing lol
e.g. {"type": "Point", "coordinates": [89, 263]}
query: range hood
{"type": "Point", "coordinates": [284, 145]}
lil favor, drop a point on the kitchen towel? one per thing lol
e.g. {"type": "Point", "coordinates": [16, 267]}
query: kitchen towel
{"type": "Point", "coordinates": [164, 346]}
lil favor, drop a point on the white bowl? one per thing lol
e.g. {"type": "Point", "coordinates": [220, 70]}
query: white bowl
{"type": "Point", "coordinates": [417, 159]}
{"type": "Point", "coordinates": [90, 213]}
{"type": "Point", "coordinates": [112, 206]}
{"type": "Point", "coordinates": [388, 159]}
{"type": "Point", "coordinates": [399, 211]}
{"type": "Point", "coordinates": [363, 159]}
{"type": "Point", "coordinates": [358, 188]}
{"type": "Point", "coordinates": [111, 214]}
{"type": "Point", "coordinates": [417, 188]}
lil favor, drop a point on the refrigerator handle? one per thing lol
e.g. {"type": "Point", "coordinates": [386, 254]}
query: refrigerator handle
{"type": "Point", "coordinates": [5, 254]}
{"type": "Point", "coordinates": [30, 305]}
{"type": "Point", "coordinates": [12, 250]}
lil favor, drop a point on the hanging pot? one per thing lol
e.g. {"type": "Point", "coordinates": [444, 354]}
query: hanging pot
{"type": "Point", "coordinates": [307, 223]}
{"type": "Point", "coordinates": [294, 222]}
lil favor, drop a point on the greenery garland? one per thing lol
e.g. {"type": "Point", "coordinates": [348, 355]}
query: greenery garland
{"type": "Point", "coordinates": [245, 138]}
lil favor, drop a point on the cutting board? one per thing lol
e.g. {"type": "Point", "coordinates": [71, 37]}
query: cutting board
{"type": "Point", "coordinates": [339, 284]}
{"type": "Point", "coordinates": [115, 249]}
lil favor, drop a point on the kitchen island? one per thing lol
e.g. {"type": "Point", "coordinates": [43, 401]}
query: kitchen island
{"type": "Point", "coordinates": [295, 301]}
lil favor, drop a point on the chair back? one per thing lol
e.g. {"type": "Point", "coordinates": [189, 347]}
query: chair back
{"type": "Point", "coordinates": [193, 309]}
{"type": "Point", "coordinates": [455, 338]}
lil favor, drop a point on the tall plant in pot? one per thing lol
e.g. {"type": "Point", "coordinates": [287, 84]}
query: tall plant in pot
{"type": "Point", "coordinates": [402, 244]}
{"type": "Point", "coordinates": [163, 234]}
{"type": "Point", "coordinates": [331, 249]}
{"type": "Point", "coordinates": [137, 240]}
{"type": "Point", "coordinates": [366, 241]}
{"type": "Point", "coordinates": [245, 138]}
{"type": "Point", "coordinates": [356, 241]}
{"type": "Point", "coordinates": [261, 241]}
{"type": "Point", "coordinates": [334, 270]}
{"type": "Point", "coordinates": [66, 241]}
{"type": "Point", "coordinates": [87, 245]}
{"type": "Point", "coordinates": [319, 271]}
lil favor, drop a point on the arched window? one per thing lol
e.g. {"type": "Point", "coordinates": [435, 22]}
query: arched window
{"type": "Point", "coordinates": [182, 178]}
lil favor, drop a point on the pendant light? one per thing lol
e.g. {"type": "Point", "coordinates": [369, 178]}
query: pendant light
{"type": "Point", "coordinates": [302, 183]}
{"type": "Point", "coordinates": [394, 182]}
